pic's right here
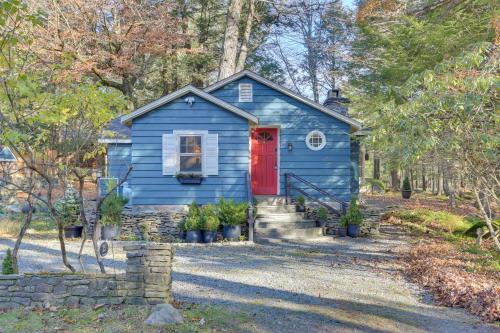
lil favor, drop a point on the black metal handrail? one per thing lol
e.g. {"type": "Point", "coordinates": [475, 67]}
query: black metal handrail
{"type": "Point", "coordinates": [290, 186]}
{"type": "Point", "coordinates": [250, 207]}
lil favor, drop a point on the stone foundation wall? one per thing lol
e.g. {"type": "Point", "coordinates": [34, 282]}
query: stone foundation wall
{"type": "Point", "coordinates": [147, 281]}
{"type": "Point", "coordinates": [158, 225]}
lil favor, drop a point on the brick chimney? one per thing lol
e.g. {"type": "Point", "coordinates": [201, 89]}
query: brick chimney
{"type": "Point", "coordinates": [335, 102]}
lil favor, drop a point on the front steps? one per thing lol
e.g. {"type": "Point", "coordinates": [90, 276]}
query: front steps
{"type": "Point", "coordinates": [276, 221]}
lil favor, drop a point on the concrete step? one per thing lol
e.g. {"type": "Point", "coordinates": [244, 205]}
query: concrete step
{"type": "Point", "coordinates": [288, 225]}
{"type": "Point", "coordinates": [304, 233]}
{"type": "Point", "coordinates": [283, 217]}
{"type": "Point", "coordinates": [271, 240]}
{"type": "Point", "coordinates": [270, 200]}
{"type": "Point", "coordinates": [276, 209]}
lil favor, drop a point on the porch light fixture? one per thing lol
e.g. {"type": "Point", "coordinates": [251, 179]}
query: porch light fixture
{"type": "Point", "coordinates": [290, 146]}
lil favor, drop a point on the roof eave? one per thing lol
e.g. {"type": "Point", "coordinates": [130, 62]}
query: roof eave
{"type": "Point", "coordinates": [181, 92]}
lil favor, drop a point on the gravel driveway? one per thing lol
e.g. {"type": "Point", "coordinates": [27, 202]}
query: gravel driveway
{"type": "Point", "coordinates": [335, 285]}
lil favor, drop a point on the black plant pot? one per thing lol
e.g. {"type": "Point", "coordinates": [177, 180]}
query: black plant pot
{"type": "Point", "coordinates": [300, 208]}
{"type": "Point", "coordinates": [406, 194]}
{"type": "Point", "coordinates": [320, 223]}
{"type": "Point", "coordinates": [353, 230]}
{"type": "Point", "coordinates": [73, 231]}
{"type": "Point", "coordinates": [231, 232]}
{"type": "Point", "coordinates": [209, 236]}
{"type": "Point", "coordinates": [193, 236]}
{"type": "Point", "coordinates": [342, 232]}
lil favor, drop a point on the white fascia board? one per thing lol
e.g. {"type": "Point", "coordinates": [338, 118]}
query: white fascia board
{"type": "Point", "coordinates": [181, 92]}
{"type": "Point", "coordinates": [354, 123]}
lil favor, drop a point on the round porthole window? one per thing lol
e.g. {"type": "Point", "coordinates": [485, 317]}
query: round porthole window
{"type": "Point", "coordinates": [315, 140]}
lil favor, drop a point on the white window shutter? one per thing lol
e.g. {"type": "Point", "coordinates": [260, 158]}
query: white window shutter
{"type": "Point", "coordinates": [169, 154]}
{"type": "Point", "coordinates": [211, 154]}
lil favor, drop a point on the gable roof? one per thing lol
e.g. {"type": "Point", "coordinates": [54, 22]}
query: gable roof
{"type": "Point", "coordinates": [6, 155]}
{"type": "Point", "coordinates": [181, 92]}
{"type": "Point", "coordinates": [353, 122]}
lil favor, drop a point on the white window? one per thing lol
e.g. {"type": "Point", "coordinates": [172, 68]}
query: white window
{"type": "Point", "coordinates": [315, 140]}
{"type": "Point", "coordinates": [246, 93]}
{"type": "Point", "coordinates": [190, 154]}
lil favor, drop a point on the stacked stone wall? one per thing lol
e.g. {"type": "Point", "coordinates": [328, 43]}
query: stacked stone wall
{"type": "Point", "coordinates": [147, 281]}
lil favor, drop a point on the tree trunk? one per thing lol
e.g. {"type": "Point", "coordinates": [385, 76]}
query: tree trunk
{"type": "Point", "coordinates": [60, 236]}
{"type": "Point", "coordinates": [242, 56]}
{"type": "Point", "coordinates": [231, 37]}
{"type": "Point", "coordinates": [424, 180]}
{"type": "Point", "coordinates": [487, 216]}
{"type": "Point", "coordinates": [395, 180]}
{"type": "Point", "coordinates": [20, 237]}
{"type": "Point", "coordinates": [376, 168]}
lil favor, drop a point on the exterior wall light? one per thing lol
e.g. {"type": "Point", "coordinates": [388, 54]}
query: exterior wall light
{"type": "Point", "coordinates": [290, 146]}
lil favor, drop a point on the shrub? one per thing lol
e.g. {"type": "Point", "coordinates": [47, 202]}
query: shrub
{"type": "Point", "coordinates": [372, 182]}
{"type": "Point", "coordinates": [111, 210]}
{"type": "Point", "coordinates": [300, 200]}
{"type": "Point", "coordinates": [321, 214]}
{"type": "Point", "coordinates": [209, 218]}
{"type": "Point", "coordinates": [193, 219]}
{"type": "Point", "coordinates": [353, 215]}
{"type": "Point", "coordinates": [231, 213]}
{"type": "Point", "coordinates": [68, 207]}
{"type": "Point", "coordinates": [406, 184]}
{"type": "Point", "coordinates": [7, 265]}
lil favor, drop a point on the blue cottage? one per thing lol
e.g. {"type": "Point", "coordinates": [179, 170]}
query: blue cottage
{"type": "Point", "coordinates": [242, 133]}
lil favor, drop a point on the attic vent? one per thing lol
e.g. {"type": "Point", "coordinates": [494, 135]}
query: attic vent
{"type": "Point", "coordinates": [246, 93]}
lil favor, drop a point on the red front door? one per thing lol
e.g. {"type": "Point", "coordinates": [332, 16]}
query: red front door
{"type": "Point", "coordinates": [264, 160]}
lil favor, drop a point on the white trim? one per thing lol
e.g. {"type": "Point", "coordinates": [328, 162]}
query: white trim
{"type": "Point", "coordinates": [114, 141]}
{"type": "Point", "coordinates": [181, 92]}
{"type": "Point", "coordinates": [323, 138]}
{"type": "Point", "coordinates": [354, 123]}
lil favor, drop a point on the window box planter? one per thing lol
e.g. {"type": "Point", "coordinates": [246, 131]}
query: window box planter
{"type": "Point", "coordinates": [232, 232]}
{"type": "Point", "coordinates": [73, 231]}
{"type": "Point", "coordinates": [189, 179]}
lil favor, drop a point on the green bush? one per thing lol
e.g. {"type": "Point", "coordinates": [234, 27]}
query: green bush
{"type": "Point", "coordinates": [376, 182]}
{"type": "Point", "coordinates": [111, 210]}
{"type": "Point", "coordinates": [300, 200]}
{"type": "Point", "coordinates": [209, 218]}
{"type": "Point", "coordinates": [7, 265]}
{"type": "Point", "coordinates": [68, 207]}
{"type": "Point", "coordinates": [231, 213]}
{"type": "Point", "coordinates": [406, 184]}
{"type": "Point", "coordinates": [321, 214]}
{"type": "Point", "coordinates": [193, 218]}
{"type": "Point", "coordinates": [353, 215]}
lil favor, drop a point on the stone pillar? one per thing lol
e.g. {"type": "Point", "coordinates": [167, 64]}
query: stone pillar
{"type": "Point", "coordinates": [149, 273]}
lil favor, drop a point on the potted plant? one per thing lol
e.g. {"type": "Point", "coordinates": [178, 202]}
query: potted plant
{"type": "Point", "coordinates": [342, 230]}
{"type": "Point", "coordinates": [232, 216]}
{"type": "Point", "coordinates": [192, 224]}
{"type": "Point", "coordinates": [321, 217]}
{"type": "Point", "coordinates": [354, 218]}
{"type": "Point", "coordinates": [111, 215]}
{"type": "Point", "coordinates": [189, 178]}
{"type": "Point", "coordinates": [300, 203]}
{"type": "Point", "coordinates": [209, 223]}
{"type": "Point", "coordinates": [406, 191]}
{"type": "Point", "coordinates": [68, 209]}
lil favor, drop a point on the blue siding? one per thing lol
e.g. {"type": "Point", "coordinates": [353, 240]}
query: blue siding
{"type": "Point", "coordinates": [119, 159]}
{"type": "Point", "coordinates": [148, 184]}
{"type": "Point", "coordinates": [329, 168]}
